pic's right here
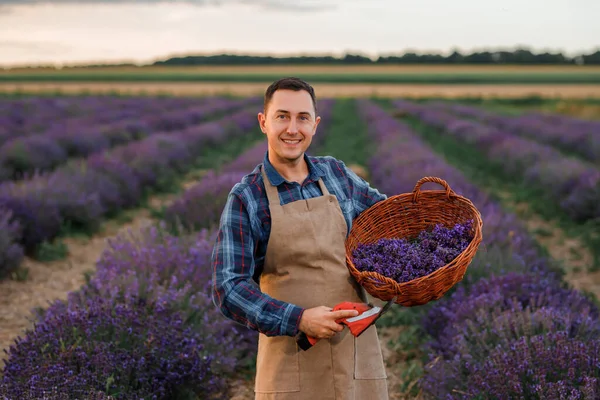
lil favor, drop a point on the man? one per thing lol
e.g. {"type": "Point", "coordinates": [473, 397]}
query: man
{"type": "Point", "coordinates": [279, 260]}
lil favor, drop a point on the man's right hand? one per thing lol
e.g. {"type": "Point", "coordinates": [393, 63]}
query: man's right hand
{"type": "Point", "coordinates": [319, 322]}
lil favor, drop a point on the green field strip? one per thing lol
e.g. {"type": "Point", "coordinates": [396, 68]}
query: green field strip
{"type": "Point", "coordinates": [346, 137]}
{"type": "Point", "coordinates": [425, 78]}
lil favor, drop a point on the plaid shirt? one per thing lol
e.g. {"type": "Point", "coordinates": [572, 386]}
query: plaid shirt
{"type": "Point", "coordinates": [241, 242]}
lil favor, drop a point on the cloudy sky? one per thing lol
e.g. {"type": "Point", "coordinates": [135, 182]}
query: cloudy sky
{"type": "Point", "coordinates": [69, 31]}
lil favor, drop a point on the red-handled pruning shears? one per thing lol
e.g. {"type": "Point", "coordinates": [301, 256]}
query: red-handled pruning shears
{"type": "Point", "coordinates": [367, 316]}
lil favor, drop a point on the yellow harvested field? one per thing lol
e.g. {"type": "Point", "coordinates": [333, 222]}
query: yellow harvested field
{"type": "Point", "coordinates": [322, 89]}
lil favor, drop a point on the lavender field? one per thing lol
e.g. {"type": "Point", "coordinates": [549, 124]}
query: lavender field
{"type": "Point", "coordinates": [143, 325]}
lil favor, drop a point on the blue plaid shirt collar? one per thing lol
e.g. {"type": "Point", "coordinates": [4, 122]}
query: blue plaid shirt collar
{"type": "Point", "coordinates": [314, 171]}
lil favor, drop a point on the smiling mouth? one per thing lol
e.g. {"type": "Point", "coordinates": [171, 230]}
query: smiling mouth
{"type": "Point", "coordinates": [287, 141]}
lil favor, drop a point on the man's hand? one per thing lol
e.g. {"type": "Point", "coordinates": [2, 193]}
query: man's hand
{"type": "Point", "coordinates": [319, 322]}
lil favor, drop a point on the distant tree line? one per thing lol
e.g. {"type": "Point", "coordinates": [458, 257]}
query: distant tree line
{"type": "Point", "coordinates": [517, 57]}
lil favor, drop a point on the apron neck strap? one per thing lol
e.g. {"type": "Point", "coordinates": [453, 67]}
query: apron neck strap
{"type": "Point", "coordinates": [273, 194]}
{"type": "Point", "coordinates": [323, 187]}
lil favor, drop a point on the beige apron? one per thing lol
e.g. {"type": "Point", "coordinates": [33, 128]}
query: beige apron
{"type": "Point", "coordinates": [305, 265]}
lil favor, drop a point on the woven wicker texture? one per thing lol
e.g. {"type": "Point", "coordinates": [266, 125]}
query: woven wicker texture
{"type": "Point", "coordinates": [405, 216]}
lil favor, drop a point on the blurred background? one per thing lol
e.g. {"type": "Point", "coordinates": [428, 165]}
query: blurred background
{"type": "Point", "coordinates": [381, 47]}
{"type": "Point", "coordinates": [125, 124]}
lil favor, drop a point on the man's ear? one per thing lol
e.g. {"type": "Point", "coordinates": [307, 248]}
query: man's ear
{"type": "Point", "coordinates": [261, 122]}
{"type": "Point", "coordinates": [317, 120]}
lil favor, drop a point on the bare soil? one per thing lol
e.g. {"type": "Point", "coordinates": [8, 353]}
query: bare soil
{"type": "Point", "coordinates": [571, 252]}
{"type": "Point", "coordinates": [322, 89]}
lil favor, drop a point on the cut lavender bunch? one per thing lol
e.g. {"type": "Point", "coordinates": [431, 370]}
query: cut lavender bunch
{"type": "Point", "coordinates": [404, 260]}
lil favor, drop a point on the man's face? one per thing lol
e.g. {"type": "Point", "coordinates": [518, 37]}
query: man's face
{"type": "Point", "coordinates": [289, 123]}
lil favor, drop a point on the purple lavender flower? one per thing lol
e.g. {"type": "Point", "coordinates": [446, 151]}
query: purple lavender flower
{"type": "Point", "coordinates": [80, 194]}
{"type": "Point", "coordinates": [551, 365]}
{"type": "Point", "coordinates": [129, 192]}
{"type": "Point", "coordinates": [83, 135]}
{"type": "Point", "coordinates": [38, 219]}
{"type": "Point", "coordinates": [127, 350]}
{"type": "Point", "coordinates": [403, 260]}
{"type": "Point", "coordinates": [23, 156]}
{"type": "Point", "coordinates": [157, 267]}
{"type": "Point", "coordinates": [504, 291]}
{"type": "Point", "coordinates": [202, 204]}
{"type": "Point", "coordinates": [11, 253]}
{"type": "Point", "coordinates": [575, 135]}
{"type": "Point", "coordinates": [469, 327]}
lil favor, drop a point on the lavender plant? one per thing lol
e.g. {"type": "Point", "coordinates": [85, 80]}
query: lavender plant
{"type": "Point", "coordinates": [127, 350]}
{"type": "Point", "coordinates": [551, 365]}
{"type": "Point", "coordinates": [82, 136]}
{"type": "Point", "coordinates": [11, 253]}
{"type": "Point", "coordinates": [502, 292]}
{"type": "Point", "coordinates": [39, 220]}
{"type": "Point", "coordinates": [541, 165]}
{"type": "Point", "coordinates": [575, 135]}
{"type": "Point", "coordinates": [158, 268]}
{"type": "Point", "coordinates": [79, 195]}
{"type": "Point", "coordinates": [24, 156]}
{"type": "Point", "coordinates": [201, 205]}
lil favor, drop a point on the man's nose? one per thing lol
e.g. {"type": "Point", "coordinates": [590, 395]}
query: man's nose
{"type": "Point", "coordinates": [292, 127]}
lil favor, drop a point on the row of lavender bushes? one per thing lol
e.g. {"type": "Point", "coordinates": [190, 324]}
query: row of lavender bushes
{"type": "Point", "coordinates": [34, 115]}
{"type": "Point", "coordinates": [512, 328]}
{"type": "Point", "coordinates": [145, 325]}
{"type": "Point", "coordinates": [578, 136]}
{"type": "Point", "coordinates": [571, 183]}
{"type": "Point", "coordinates": [81, 194]}
{"type": "Point", "coordinates": [62, 140]}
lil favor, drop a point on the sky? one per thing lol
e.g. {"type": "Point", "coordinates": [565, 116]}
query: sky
{"type": "Point", "coordinates": [61, 32]}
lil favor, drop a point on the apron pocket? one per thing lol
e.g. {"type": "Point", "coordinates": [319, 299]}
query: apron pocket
{"type": "Point", "coordinates": [368, 359]}
{"type": "Point", "coordinates": [277, 365]}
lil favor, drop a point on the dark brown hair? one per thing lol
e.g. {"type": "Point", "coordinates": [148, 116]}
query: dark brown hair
{"type": "Point", "coordinates": [290, 83]}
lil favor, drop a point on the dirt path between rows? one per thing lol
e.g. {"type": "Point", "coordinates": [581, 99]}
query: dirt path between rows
{"type": "Point", "coordinates": [571, 252]}
{"type": "Point", "coordinates": [50, 281]}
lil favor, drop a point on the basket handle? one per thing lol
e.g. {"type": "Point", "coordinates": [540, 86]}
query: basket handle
{"type": "Point", "coordinates": [417, 189]}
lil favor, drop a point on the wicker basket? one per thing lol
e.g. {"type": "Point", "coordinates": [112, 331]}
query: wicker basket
{"type": "Point", "coordinates": [405, 216]}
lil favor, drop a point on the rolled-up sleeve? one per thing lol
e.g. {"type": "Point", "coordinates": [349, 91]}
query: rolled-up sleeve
{"type": "Point", "coordinates": [235, 293]}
